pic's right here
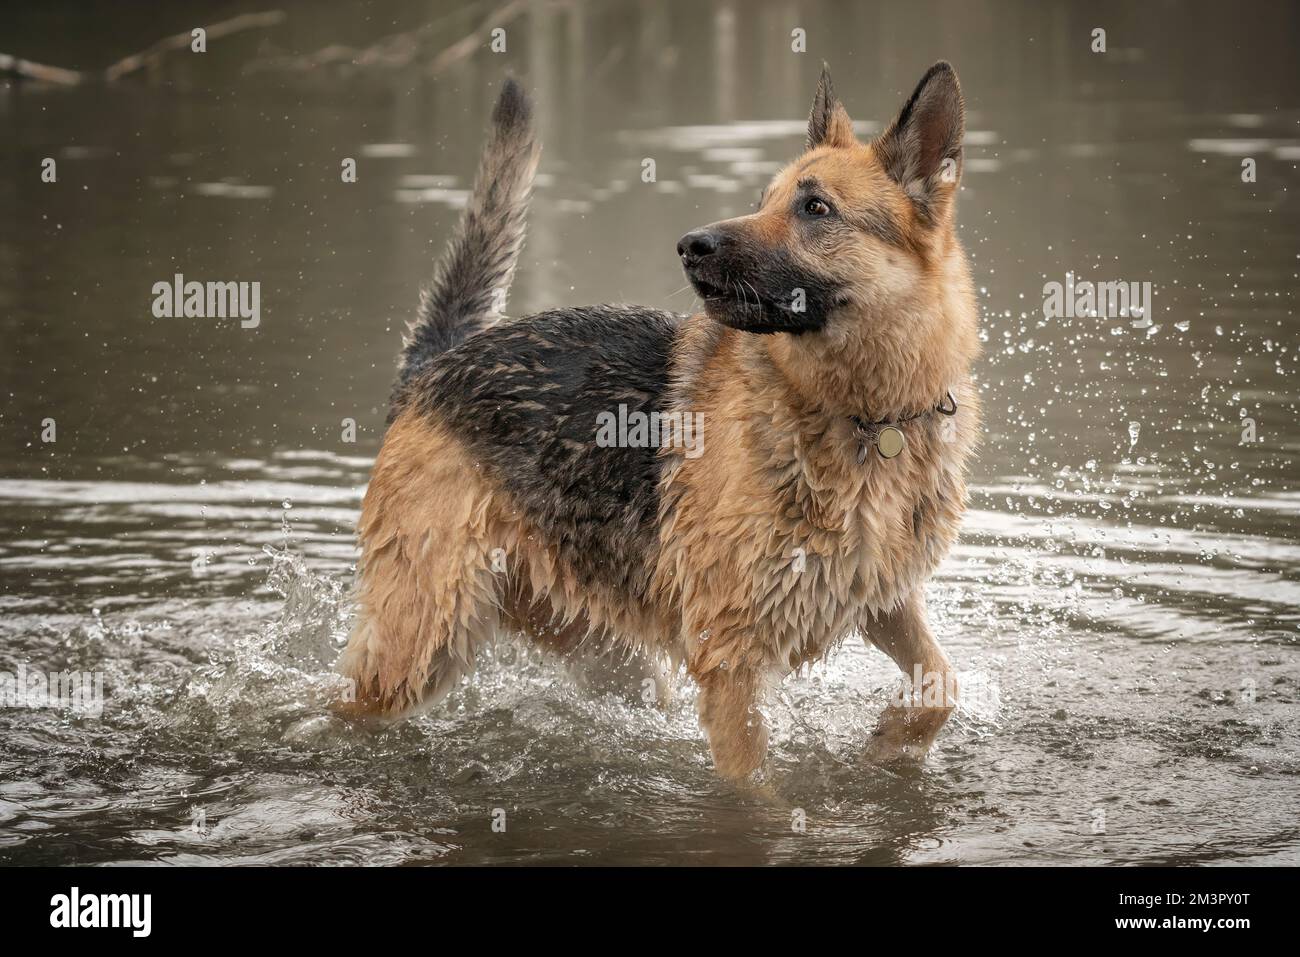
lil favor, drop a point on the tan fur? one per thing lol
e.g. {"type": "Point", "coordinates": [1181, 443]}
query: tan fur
{"type": "Point", "coordinates": [776, 412]}
{"type": "Point", "coordinates": [775, 543]}
{"type": "Point", "coordinates": [449, 563]}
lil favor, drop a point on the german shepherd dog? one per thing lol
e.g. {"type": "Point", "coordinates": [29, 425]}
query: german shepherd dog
{"type": "Point", "coordinates": [830, 368]}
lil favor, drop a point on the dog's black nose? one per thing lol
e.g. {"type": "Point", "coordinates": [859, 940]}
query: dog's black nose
{"type": "Point", "coordinates": [696, 245]}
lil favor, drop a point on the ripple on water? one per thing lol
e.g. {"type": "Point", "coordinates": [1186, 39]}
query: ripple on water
{"type": "Point", "coordinates": [1115, 678]}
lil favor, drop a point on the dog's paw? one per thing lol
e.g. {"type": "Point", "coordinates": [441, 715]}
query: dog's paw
{"type": "Point", "coordinates": [904, 736]}
{"type": "Point", "coordinates": [885, 748]}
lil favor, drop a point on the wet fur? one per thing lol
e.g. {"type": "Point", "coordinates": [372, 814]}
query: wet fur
{"type": "Point", "coordinates": [491, 509]}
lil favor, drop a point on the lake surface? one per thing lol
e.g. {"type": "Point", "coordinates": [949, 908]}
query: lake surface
{"type": "Point", "coordinates": [1124, 602]}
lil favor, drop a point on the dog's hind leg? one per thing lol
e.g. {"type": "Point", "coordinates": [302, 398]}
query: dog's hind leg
{"type": "Point", "coordinates": [426, 591]}
{"type": "Point", "coordinates": [909, 725]}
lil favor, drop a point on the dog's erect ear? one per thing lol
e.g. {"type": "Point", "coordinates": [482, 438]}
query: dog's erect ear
{"type": "Point", "coordinates": [921, 149]}
{"type": "Point", "coordinates": [828, 123]}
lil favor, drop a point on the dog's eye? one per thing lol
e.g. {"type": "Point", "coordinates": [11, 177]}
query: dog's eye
{"type": "Point", "coordinates": [816, 207]}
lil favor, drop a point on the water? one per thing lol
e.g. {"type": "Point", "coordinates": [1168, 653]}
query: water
{"type": "Point", "coordinates": [1125, 600]}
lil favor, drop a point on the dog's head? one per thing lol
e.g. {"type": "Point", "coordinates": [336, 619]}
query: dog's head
{"type": "Point", "coordinates": [846, 230]}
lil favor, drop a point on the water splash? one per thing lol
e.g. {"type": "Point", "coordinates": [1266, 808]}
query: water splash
{"type": "Point", "coordinates": [284, 669]}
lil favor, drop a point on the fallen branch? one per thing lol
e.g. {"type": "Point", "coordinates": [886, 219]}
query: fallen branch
{"type": "Point", "coordinates": [399, 50]}
{"type": "Point", "coordinates": [181, 41]}
{"type": "Point", "coordinates": [27, 70]}
{"type": "Point", "coordinates": [394, 51]}
{"type": "Point", "coordinates": [467, 45]}
{"type": "Point", "coordinates": [42, 73]}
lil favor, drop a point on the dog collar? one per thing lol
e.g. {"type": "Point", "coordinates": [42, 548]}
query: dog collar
{"type": "Point", "coordinates": [886, 435]}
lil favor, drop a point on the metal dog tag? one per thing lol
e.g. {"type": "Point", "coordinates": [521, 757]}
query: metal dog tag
{"type": "Point", "coordinates": [890, 441]}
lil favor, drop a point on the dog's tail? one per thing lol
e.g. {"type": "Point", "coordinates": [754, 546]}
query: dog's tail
{"type": "Point", "coordinates": [469, 288]}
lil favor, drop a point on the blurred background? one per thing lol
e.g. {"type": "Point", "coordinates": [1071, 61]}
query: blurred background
{"type": "Point", "coordinates": [226, 165]}
{"type": "Point", "coordinates": [1121, 526]}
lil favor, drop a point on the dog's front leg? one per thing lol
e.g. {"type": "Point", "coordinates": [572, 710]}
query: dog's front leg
{"type": "Point", "coordinates": [729, 700]}
{"type": "Point", "coordinates": [909, 725]}
{"type": "Point", "coordinates": [730, 716]}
